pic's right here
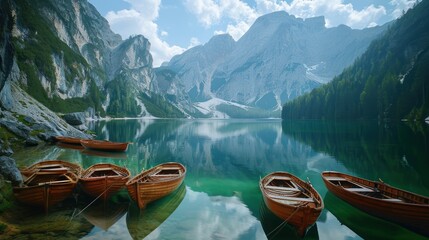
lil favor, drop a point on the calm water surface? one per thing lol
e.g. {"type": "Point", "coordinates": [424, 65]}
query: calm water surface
{"type": "Point", "coordinates": [225, 160]}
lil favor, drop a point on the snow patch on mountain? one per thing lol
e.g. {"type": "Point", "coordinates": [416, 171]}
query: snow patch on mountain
{"type": "Point", "coordinates": [310, 73]}
{"type": "Point", "coordinates": [209, 106]}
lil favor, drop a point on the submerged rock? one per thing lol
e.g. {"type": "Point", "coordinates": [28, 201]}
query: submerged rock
{"type": "Point", "coordinates": [9, 170]}
{"type": "Point", "coordinates": [31, 141]}
{"type": "Point", "coordinates": [5, 149]}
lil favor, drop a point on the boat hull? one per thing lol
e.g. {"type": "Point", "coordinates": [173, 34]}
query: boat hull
{"type": "Point", "coordinates": [47, 190]}
{"type": "Point", "coordinates": [68, 140]}
{"type": "Point", "coordinates": [299, 215]}
{"type": "Point", "coordinates": [414, 216]}
{"type": "Point", "coordinates": [98, 180]}
{"type": "Point", "coordinates": [144, 192]}
{"type": "Point", "coordinates": [105, 145]}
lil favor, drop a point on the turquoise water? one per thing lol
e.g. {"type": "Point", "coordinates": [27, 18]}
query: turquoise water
{"type": "Point", "coordinates": [225, 160]}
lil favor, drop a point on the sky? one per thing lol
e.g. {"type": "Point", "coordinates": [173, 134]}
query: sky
{"type": "Point", "coordinates": [173, 26]}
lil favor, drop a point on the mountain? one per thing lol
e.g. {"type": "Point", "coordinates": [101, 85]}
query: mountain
{"type": "Point", "coordinates": [278, 59]}
{"type": "Point", "coordinates": [196, 66]}
{"type": "Point", "coordinates": [389, 81]}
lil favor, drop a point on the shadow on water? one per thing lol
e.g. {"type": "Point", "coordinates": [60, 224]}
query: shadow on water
{"type": "Point", "coordinates": [141, 222]}
{"type": "Point", "coordinates": [116, 155]}
{"type": "Point", "coordinates": [103, 214]}
{"type": "Point", "coordinates": [276, 228]}
{"type": "Point", "coordinates": [27, 222]}
{"type": "Point", "coordinates": [365, 225]}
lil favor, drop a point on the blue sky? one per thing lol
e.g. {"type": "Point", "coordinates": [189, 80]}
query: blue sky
{"type": "Point", "coordinates": [172, 26]}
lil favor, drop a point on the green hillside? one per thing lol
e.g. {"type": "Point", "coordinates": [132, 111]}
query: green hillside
{"type": "Point", "coordinates": [389, 81]}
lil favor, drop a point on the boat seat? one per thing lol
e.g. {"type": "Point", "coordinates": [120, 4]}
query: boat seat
{"type": "Point", "coordinates": [298, 199]}
{"type": "Point", "coordinates": [90, 174]}
{"type": "Point", "coordinates": [359, 189]}
{"type": "Point", "coordinates": [335, 179]}
{"type": "Point", "coordinates": [51, 165]}
{"type": "Point", "coordinates": [392, 200]}
{"type": "Point", "coordinates": [281, 188]}
{"type": "Point", "coordinates": [53, 169]}
{"type": "Point", "coordinates": [171, 168]}
{"type": "Point", "coordinates": [61, 181]}
{"type": "Point", "coordinates": [165, 175]}
{"type": "Point", "coordinates": [103, 169]}
{"type": "Point", "coordinates": [280, 178]}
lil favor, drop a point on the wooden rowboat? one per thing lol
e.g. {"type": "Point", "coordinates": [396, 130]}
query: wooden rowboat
{"type": "Point", "coordinates": [68, 140]}
{"type": "Point", "coordinates": [105, 145]}
{"type": "Point", "coordinates": [379, 199]}
{"type": "Point", "coordinates": [103, 180]}
{"type": "Point", "coordinates": [51, 166]}
{"type": "Point", "coordinates": [156, 182]}
{"type": "Point", "coordinates": [45, 189]}
{"type": "Point", "coordinates": [291, 199]}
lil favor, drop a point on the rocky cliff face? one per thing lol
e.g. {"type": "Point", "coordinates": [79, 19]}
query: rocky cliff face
{"type": "Point", "coordinates": [278, 59]}
{"type": "Point", "coordinates": [67, 56]}
{"type": "Point", "coordinates": [61, 56]}
{"type": "Point", "coordinates": [82, 28]}
{"type": "Point", "coordinates": [195, 67]}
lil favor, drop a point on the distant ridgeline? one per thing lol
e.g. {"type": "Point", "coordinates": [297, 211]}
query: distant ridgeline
{"type": "Point", "coordinates": [64, 55]}
{"type": "Point", "coordinates": [389, 81]}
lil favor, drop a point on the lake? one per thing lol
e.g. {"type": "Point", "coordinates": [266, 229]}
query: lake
{"type": "Point", "coordinates": [225, 160]}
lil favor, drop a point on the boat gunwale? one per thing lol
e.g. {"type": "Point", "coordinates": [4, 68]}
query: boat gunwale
{"type": "Point", "coordinates": [145, 173]}
{"type": "Point", "coordinates": [71, 180]}
{"type": "Point", "coordinates": [85, 177]}
{"type": "Point", "coordinates": [38, 166]}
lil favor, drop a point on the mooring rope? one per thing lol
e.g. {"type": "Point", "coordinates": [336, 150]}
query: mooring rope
{"type": "Point", "coordinates": [91, 202]}
{"type": "Point", "coordinates": [281, 225]}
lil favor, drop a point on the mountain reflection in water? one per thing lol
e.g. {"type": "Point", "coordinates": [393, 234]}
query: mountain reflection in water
{"type": "Point", "coordinates": [226, 158]}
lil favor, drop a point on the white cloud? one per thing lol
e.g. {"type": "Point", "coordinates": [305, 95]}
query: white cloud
{"type": "Point", "coordinates": [238, 13]}
{"type": "Point", "coordinates": [238, 30]}
{"type": "Point", "coordinates": [207, 11]}
{"type": "Point", "coordinates": [401, 6]}
{"type": "Point", "coordinates": [140, 19]}
{"type": "Point", "coordinates": [194, 42]}
{"type": "Point", "coordinates": [240, 16]}
{"type": "Point", "coordinates": [335, 11]}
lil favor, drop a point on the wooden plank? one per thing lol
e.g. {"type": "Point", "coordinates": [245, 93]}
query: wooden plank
{"type": "Point", "coordinates": [171, 168]}
{"type": "Point", "coordinates": [335, 179]}
{"type": "Point", "coordinates": [49, 182]}
{"type": "Point", "coordinates": [392, 200]}
{"type": "Point", "coordinates": [103, 169]}
{"type": "Point", "coordinates": [297, 199]}
{"type": "Point", "coordinates": [53, 169]}
{"type": "Point", "coordinates": [281, 178]}
{"type": "Point", "coordinates": [359, 189]}
{"type": "Point", "coordinates": [166, 175]}
{"type": "Point", "coordinates": [281, 188]}
{"type": "Point", "coordinates": [49, 166]}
